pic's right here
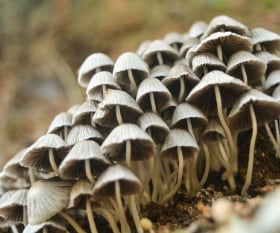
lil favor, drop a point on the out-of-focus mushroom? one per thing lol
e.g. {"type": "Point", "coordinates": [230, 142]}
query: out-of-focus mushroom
{"type": "Point", "coordinates": [251, 109]}
{"type": "Point", "coordinates": [159, 71]}
{"type": "Point", "coordinates": [247, 67]}
{"type": "Point", "coordinates": [272, 61]}
{"type": "Point", "coordinates": [179, 145]}
{"type": "Point", "coordinates": [129, 71]}
{"type": "Point", "coordinates": [117, 181]}
{"type": "Point", "coordinates": [215, 92]}
{"type": "Point", "coordinates": [167, 111]}
{"type": "Point", "coordinates": [118, 107]}
{"type": "Point", "coordinates": [264, 39]}
{"type": "Point", "coordinates": [142, 47]}
{"type": "Point", "coordinates": [197, 29]}
{"type": "Point", "coordinates": [99, 85]}
{"type": "Point", "coordinates": [85, 159]}
{"type": "Point", "coordinates": [158, 53]}
{"type": "Point", "coordinates": [83, 115]}
{"type": "Point", "coordinates": [174, 39]}
{"type": "Point", "coordinates": [45, 154]}
{"type": "Point", "coordinates": [189, 43]}
{"type": "Point", "coordinates": [94, 63]}
{"type": "Point", "coordinates": [61, 124]}
{"type": "Point", "coordinates": [206, 62]}
{"type": "Point", "coordinates": [179, 81]}
{"type": "Point", "coordinates": [152, 95]}
{"type": "Point", "coordinates": [272, 81]}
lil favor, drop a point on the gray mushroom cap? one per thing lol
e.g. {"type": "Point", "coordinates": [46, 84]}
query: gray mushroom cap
{"type": "Point", "coordinates": [142, 145]}
{"type": "Point", "coordinates": [179, 138]}
{"type": "Point", "coordinates": [189, 43]}
{"type": "Point", "coordinates": [273, 80]}
{"type": "Point", "coordinates": [276, 93]}
{"type": "Point", "coordinates": [84, 113]}
{"type": "Point", "coordinates": [91, 65]}
{"type": "Point", "coordinates": [197, 29]}
{"type": "Point", "coordinates": [272, 61]}
{"type": "Point", "coordinates": [105, 184]}
{"type": "Point", "coordinates": [213, 130]}
{"type": "Point", "coordinates": [159, 71]}
{"type": "Point", "coordinates": [51, 225]}
{"type": "Point", "coordinates": [174, 39]}
{"type": "Point", "coordinates": [60, 121]}
{"type": "Point", "coordinates": [265, 107]}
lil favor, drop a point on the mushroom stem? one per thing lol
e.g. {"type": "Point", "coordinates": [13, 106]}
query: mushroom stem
{"type": "Point", "coordinates": [14, 229]}
{"type": "Point", "coordinates": [134, 213]}
{"type": "Point", "coordinates": [108, 216]}
{"type": "Point", "coordinates": [52, 161]}
{"type": "Point", "coordinates": [72, 222]}
{"type": "Point", "coordinates": [124, 225]}
{"type": "Point", "coordinates": [24, 215]}
{"type": "Point", "coordinates": [244, 74]}
{"type": "Point", "coordinates": [132, 80]}
{"type": "Point", "coordinates": [233, 154]}
{"type": "Point", "coordinates": [153, 102]}
{"type": "Point", "coordinates": [90, 217]}
{"type": "Point", "coordinates": [31, 175]}
{"type": "Point", "coordinates": [277, 133]}
{"type": "Point", "coordinates": [45, 230]}
{"type": "Point", "coordinates": [128, 153]}
{"type": "Point", "coordinates": [220, 53]}
{"type": "Point", "coordinates": [179, 176]}
{"type": "Point", "coordinates": [159, 58]}
{"type": "Point", "coordinates": [272, 139]}
{"type": "Point", "coordinates": [104, 91]}
{"type": "Point", "coordinates": [119, 115]}
{"type": "Point", "coordinates": [88, 171]}
{"type": "Point", "coordinates": [251, 151]}
{"type": "Point", "coordinates": [182, 90]}
{"type": "Point", "coordinates": [148, 176]}
{"type": "Point", "coordinates": [207, 165]}
{"type": "Point", "coordinates": [190, 128]}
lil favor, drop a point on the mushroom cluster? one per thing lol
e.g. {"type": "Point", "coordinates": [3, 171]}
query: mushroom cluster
{"type": "Point", "coordinates": [154, 120]}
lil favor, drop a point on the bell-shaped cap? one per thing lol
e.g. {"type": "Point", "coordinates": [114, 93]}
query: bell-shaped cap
{"type": "Point", "coordinates": [84, 113]}
{"type": "Point", "coordinates": [272, 61]}
{"type": "Point", "coordinates": [159, 71]}
{"type": "Point", "coordinates": [189, 43]}
{"type": "Point", "coordinates": [60, 122]}
{"type": "Point", "coordinates": [174, 39]}
{"type": "Point", "coordinates": [213, 131]}
{"type": "Point", "coordinates": [273, 80]}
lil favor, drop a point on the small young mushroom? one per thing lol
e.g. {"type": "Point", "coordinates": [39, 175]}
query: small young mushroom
{"type": "Point", "coordinates": [159, 71]}
{"type": "Point", "coordinates": [94, 63]}
{"type": "Point", "coordinates": [61, 124]}
{"type": "Point", "coordinates": [117, 181]}
{"type": "Point", "coordinates": [85, 159]}
{"type": "Point", "coordinates": [83, 115]}
{"type": "Point", "coordinates": [272, 61]}
{"type": "Point", "coordinates": [174, 39]}
{"type": "Point", "coordinates": [197, 29]}
{"type": "Point", "coordinates": [272, 81]}
{"type": "Point", "coordinates": [251, 109]}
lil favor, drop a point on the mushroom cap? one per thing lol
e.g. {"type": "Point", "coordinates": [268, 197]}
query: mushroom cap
{"type": "Point", "coordinates": [142, 47]}
{"type": "Point", "coordinates": [130, 61]}
{"type": "Point", "coordinates": [73, 165]}
{"type": "Point", "coordinates": [189, 43]}
{"type": "Point", "coordinates": [276, 93]}
{"type": "Point", "coordinates": [105, 113]}
{"type": "Point", "coordinates": [151, 122]}
{"type": "Point", "coordinates": [91, 64]}
{"type": "Point", "coordinates": [84, 113]}
{"type": "Point", "coordinates": [255, 67]}
{"type": "Point", "coordinates": [105, 184]}
{"type": "Point", "coordinates": [273, 80]}
{"type": "Point", "coordinates": [208, 60]}
{"type": "Point", "coordinates": [225, 23]}
{"type": "Point", "coordinates": [186, 111]}
{"type": "Point", "coordinates": [114, 145]}
{"type": "Point", "coordinates": [213, 131]}
{"type": "Point", "coordinates": [51, 225]}
{"type": "Point", "coordinates": [46, 198]}
{"type": "Point", "coordinates": [159, 71]}
{"type": "Point", "coordinates": [83, 132]}
{"type": "Point", "coordinates": [197, 29]}
{"type": "Point", "coordinates": [160, 92]}
{"type": "Point", "coordinates": [265, 107]}
{"type": "Point", "coordinates": [159, 46]}
{"type": "Point", "coordinates": [272, 61]}
{"type": "Point", "coordinates": [102, 78]}
{"type": "Point", "coordinates": [60, 121]}
{"type": "Point", "coordinates": [80, 189]}
{"type": "Point", "coordinates": [12, 207]}
{"type": "Point", "coordinates": [267, 39]}
{"type": "Point", "coordinates": [203, 95]}
{"type": "Point", "coordinates": [174, 39]}
{"type": "Point", "coordinates": [229, 41]}
{"type": "Point", "coordinates": [179, 138]}
{"type": "Point", "coordinates": [36, 156]}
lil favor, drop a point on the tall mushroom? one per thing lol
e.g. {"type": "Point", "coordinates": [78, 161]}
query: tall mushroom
{"type": "Point", "coordinates": [251, 109]}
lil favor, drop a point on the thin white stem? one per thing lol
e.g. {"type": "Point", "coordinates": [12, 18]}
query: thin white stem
{"type": "Point", "coordinates": [148, 176]}
{"type": "Point", "coordinates": [206, 166]}
{"type": "Point", "coordinates": [88, 171]}
{"type": "Point", "coordinates": [24, 215]}
{"type": "Point", "coordinates": [153, 102]}
{"type": "Point", "coordinates": [272, 139]}
{"type": "Point", "coordinates": [179, 177]}
{"type": "Point", "coordinates": [159, 58]}
{"type": "Point", "coordinates": [90, 217]}
{"type": "Point", "coordinates": [251, 151]}
{"type": "Point", "coordinates": [45, 229]}
{"type": "Point", "coordinates": [119, 115]}
{"type": "Point", "coordinates": [220, 53]}
{"type": "Point", "coordinates": [132, 80]}
{"type": "Point", "coordinates": [14, 229]}
{"type": "Point", "coordinates": [72, 222]}
{"type": "Point", "coordinates": [104, 91]}
{"type": "Point", "coordinates": [244, 74]}
{"type": "Point", "coordinates": [31, 175]}
{"type": "Point", "coordinates": [232, 147]}
{"type": "Point", "coordinates": [124, 225]}
{"type": "Point", "coordinates": [190, 128]}
{"type": "Point", "coordinates": [109, 217]}
{"type": "Point", "coordinates": [182, 90]}
{"type": "Point", "coordinates": [128, 153]}
{"type": "Point", "coordinates": [134, 213]}
{"type": "Point", "coordinates": [52, 161]}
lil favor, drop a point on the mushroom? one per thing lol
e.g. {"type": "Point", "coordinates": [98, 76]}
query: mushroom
{"type": "Point", "coordinates": [61, 124]}
{"type": "Point", "coordinates": [197, 29]}
{"type": "Point", "coordinates": [179, 81]}
{"type": "Point", "coordinates": [47, 198]}
{"type": "Point", "coordinates": [94, 63]}
{"type": "Point", "coordinates": [117, 181]}
{"type": "Point", "coordinates": [179, 144]}
{"type": "Point", "coordinates": [83, 115]}
{"type": "Point", "coordinates": [174, 39]}
{"type": "Point", "coordinates": [159, 52]}
{"type": "Point", "coordinates": [272, 81]}
{"type": "Point", "coordinates": [159, 71]}
{"type": "Point", "coordinates": [85, 159]}
{"type": "Point", "coordinates": [246, 66]}
{"type": "Point", "coordinates": [52, 225]}
{"type": "Point", "coordinates": [189, 43]}
{"type": "Point", "coordinates": [129, 71]}
{"type": "Point", "coordinates": [251, 109]}
{"type": "Point", "coordinates": [118, 107]}
{"type": "Point", "coordinates": [142, 47]}
{"type": "Point", "coordinates": [272, 61]}
{"type": "Point", "coordinates": [45, 154]}
{"type": "Point", "coordinates": [152, 95]}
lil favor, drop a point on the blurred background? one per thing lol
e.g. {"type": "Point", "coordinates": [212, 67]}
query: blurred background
{"type": "Point", "coordinates": [43, 43]}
